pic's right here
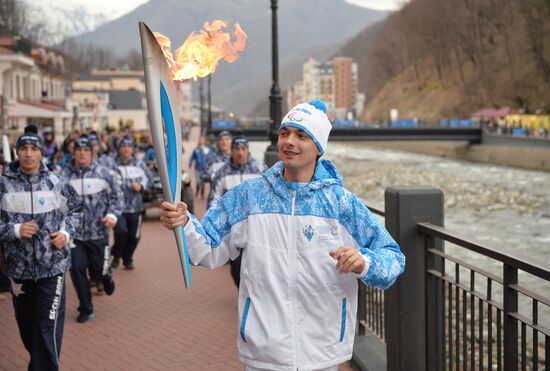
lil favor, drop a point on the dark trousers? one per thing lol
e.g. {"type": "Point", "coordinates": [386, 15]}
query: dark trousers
{"type": "Point", "coordinates": [127, 235]}
{"type": "Point", "coordinates": [40, 313]}
{"type": "Point", "coordinates": [92, 256]}
{"type": "Point", "coordinates": [4, 282]}
{"type": "Point", "coordinates": [236, 270]}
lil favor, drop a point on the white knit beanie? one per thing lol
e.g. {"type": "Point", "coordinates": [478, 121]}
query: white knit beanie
{"type": "Point", "coordinates": [312, 118]}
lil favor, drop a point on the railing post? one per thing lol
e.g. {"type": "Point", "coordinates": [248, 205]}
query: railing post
{"type": "Point", "coordinates": [510, 276]}
{"type": "Point", "coordinates": [406, 318]}
{"type": "Point", "coordinates": [361, 309]}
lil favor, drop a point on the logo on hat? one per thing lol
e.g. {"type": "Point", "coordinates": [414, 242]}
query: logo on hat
{"type": "Point", "coordinates": [293, 117]}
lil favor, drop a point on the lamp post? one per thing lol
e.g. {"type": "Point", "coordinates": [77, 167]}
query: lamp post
{"type": "Point", "coordinates": [201, 103]}
{"type": "Point", "coordinates": [209, 104]}
{"type": "Point", "coordinates": [275, 98]}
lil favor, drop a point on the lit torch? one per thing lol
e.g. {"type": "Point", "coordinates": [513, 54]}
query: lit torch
{"type": "Point", "coordinates": [197, 57]}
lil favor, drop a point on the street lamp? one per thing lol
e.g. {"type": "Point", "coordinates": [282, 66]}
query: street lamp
{"type": "Point", "coordinates": [209, 104]}
{"type": "Point", "coordinates": [275, 98]}
{"type": "Point", "coordinates": [201, 103]}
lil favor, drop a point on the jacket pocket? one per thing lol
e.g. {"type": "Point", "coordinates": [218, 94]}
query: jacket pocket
{"type": "Point", "coordinates": [343, 320]}
{"type": "Point", "coordinates": [244, 319]}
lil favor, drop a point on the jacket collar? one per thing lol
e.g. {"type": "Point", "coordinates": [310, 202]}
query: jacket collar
{"type": "Point", "coordinates": [325, 175]}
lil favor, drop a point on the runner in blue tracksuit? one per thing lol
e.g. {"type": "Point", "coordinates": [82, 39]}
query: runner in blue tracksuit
{"type": "Point", "coordinates": [305, 240]}
{"type": "Point", "coordinates": [102, 202]}
{"type": "Point", "coordinates": [102, 158]}
{"type": "Point", "coordinates": [240, 167]}
{"type": "Point", "coordinates": [39, 214]}
{"type": "Point", "coordinates": [199, 158]}
{"type": "Point", "coordinates": [136, 178]}
{"type": "Point", "coordinates": [220, 156]}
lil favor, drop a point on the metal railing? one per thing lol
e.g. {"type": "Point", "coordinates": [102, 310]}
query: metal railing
{"type": "Point", "coordinates": [370, 310]}
{"type": "Point", "coordinates": [476, 312]}
{"type": "Point", "coordinates": [474, 327]}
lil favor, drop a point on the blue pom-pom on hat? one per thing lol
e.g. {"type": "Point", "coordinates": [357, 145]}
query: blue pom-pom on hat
{"type": "Point", "coordinates": [319, 104]}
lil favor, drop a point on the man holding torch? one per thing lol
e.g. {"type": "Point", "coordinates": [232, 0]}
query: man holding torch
{"type": "Point", "coordinates": [304, 240]}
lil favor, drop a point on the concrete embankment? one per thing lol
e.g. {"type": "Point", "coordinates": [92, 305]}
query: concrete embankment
{"type": "Point", "coordinates": [519, 157]}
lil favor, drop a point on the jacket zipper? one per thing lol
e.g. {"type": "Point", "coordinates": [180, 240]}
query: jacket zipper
{"type": "Point", "coordinates": [293, 264]}
{"type": "Point", "coordinates": [83, 201]}
{"type": "Point", "coordinates": [35, 260]}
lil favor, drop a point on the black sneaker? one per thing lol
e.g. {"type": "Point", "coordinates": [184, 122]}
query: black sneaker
{"type": "Point", "coordinates": [115, 263]}
{"type": "Point", "coordinates": [129, 266]}
{"type": "Point", "coordinates": [84, 317]}
{"type": "Point", "coordinates": [108, 285]}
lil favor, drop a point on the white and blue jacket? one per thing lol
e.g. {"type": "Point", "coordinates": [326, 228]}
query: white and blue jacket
{"type": "Point", "coordinates": [295, 310]}
{"type": "Point", "coordinates": [101, 196]}
{"type": "Point", "coordinates": [134, 171]}
{"type": "Point", "coordinates": [53, 205]}
{"type": "Point", "coordinates": [216, 160]}
{"type": "Point", "coordinates": [230, 175]}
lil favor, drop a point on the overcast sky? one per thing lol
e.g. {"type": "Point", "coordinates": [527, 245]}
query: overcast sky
{"type": "Point", "coordinates": [115, 8]}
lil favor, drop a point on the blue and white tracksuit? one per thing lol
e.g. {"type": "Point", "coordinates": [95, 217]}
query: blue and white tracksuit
{"type": "Point", "coordinates": [230, 175]}
{"type": "Point", "coordinates": [127, 230]}
{"type": "Point", "coordinates": [36, 268]}
{"type": "Point", "coordinates": [101, 196]}
{"type": "Point", "coordinates": [227, 177]}
{"type": "Point", "coordinates": [295, 310]}
{"type": "Point", "coordinates": [134, 171]}
{"type": "Point", "coordinates": [200, 157]}
{"type": "Point", "coordinates": [216, 160]}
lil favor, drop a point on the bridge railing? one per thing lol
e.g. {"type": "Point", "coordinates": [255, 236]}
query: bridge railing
{"type": "Point", "coordinates": [460, 304]}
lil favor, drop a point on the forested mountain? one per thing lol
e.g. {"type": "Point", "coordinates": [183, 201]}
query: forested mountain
{"type": "Point", "coordinates": [444, 58]}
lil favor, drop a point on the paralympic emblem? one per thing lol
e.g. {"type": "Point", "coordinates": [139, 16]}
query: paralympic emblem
{"type": "Point", "coordinates": [292, 117]}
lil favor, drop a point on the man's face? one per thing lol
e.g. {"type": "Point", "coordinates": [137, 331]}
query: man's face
{"type": "Point", "coordinates": [296, 149]}
{"type": "Point", "coordinates": [126, 152]}
{"type": "Point", "coordinates": [224, 144]}
{"type": "Point", "coordinates": [82, 157]}
{"type": "Point", "coordinates": [239, 155]}
{"type": "Point", "coordinates": [29, 158]}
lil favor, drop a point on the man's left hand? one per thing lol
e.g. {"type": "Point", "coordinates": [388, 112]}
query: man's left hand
{"type": "Point", "coordinates": [349, 260]}
{"type": "Point", "coordinates": [109, 222]}
{"type": "Point", "coordinates": [137, 187]}
{"type": "Point", "coordinates": [58, 239]}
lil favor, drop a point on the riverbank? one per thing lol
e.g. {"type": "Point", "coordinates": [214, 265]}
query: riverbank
{"type": "Point", "coordinates": [518, 157]}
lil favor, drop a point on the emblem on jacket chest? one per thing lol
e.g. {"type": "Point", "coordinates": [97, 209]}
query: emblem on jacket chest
{"type": "Point", "coordinates": [308, 232]}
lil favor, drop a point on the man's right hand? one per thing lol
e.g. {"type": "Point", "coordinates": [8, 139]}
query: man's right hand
{"type": "Point", "coordinates": [173, 215]}
{"type": "Point", "coordinates": [28, 229]}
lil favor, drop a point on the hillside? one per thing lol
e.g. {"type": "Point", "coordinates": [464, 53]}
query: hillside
{"type": "Point", "coordinates": [435, 59]}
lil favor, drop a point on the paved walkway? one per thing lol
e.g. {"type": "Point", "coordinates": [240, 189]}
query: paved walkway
{"type": "Point", "coordinates": [151, 322]}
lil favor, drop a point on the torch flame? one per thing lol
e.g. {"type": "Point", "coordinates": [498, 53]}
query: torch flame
{"type": "Point", "coordinates": [200, 53]}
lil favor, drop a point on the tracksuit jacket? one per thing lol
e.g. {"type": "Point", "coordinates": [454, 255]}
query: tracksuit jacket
{"type": "Point", "coordinates": [53, 204]}
{"type": "Point", "coordinates": [101, 195]}
{"type": "Point", "coordinates": [134, 171]}
{"type": "Point", "coordinates": [230, 175]}
{"type": "Point", "coordinates": [216, 160]}
{"type": "Point", "coordinates": [295, 310]}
